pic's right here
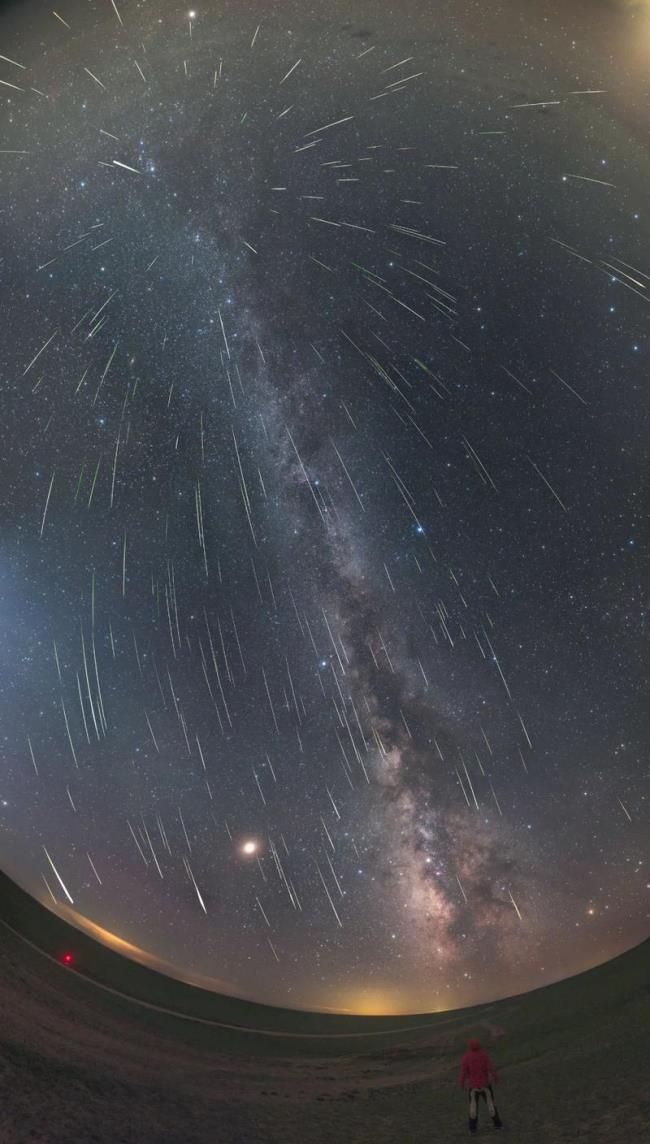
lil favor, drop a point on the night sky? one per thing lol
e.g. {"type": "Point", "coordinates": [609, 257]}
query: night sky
{"type": "Point", "coordinates": [324, 368]}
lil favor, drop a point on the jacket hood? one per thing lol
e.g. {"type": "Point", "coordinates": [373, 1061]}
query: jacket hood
{"type": "Point", "coordinates": [473, 1044]}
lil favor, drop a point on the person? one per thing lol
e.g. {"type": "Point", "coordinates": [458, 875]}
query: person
{"type": "Point", "coordinates": [478, 1073]}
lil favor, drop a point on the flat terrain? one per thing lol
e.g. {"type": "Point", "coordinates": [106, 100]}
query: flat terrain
{"type": "Point", "coordinates": [79, 1063]}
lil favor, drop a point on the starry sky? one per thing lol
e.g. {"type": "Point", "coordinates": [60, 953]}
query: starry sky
{"type": "Point", "coordinates": [324, 366]}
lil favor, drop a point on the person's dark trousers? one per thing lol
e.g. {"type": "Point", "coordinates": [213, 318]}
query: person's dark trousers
{"type": "Point", "coordinates": [475, 1095]}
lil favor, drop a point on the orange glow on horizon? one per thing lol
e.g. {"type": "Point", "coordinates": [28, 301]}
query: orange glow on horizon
{"type": "Point", "coordinates": [360, 1002]}
{"type": "Point", "coordinates": [136, 953]}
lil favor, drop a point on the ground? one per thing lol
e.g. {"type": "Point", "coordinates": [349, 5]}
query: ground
{"type": "Point", "coordinates": [81, 1064]}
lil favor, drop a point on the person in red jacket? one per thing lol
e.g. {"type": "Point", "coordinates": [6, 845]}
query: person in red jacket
{"type": "Point", "coordinates": [477, 1072]}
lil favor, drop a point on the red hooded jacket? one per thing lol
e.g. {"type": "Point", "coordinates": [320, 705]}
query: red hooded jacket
{"type": "Point", "coordinates": [476, 1068]}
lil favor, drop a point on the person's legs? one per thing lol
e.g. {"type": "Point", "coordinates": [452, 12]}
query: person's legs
{"type": "Point", "coordinates": [492, 1108]}
{"type": "Point", "coordinates": [473, 1110]}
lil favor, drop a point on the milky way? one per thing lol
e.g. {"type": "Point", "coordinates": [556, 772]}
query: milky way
{"type": "Point", "coordinates": [323, 370]}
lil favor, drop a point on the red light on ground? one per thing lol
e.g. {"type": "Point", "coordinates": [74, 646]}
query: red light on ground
{"type": "Point", "coordinates": [67, 959]}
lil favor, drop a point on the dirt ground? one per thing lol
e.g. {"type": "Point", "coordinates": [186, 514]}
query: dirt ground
{"type": "Point", "coordinates": [78, 1064]}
